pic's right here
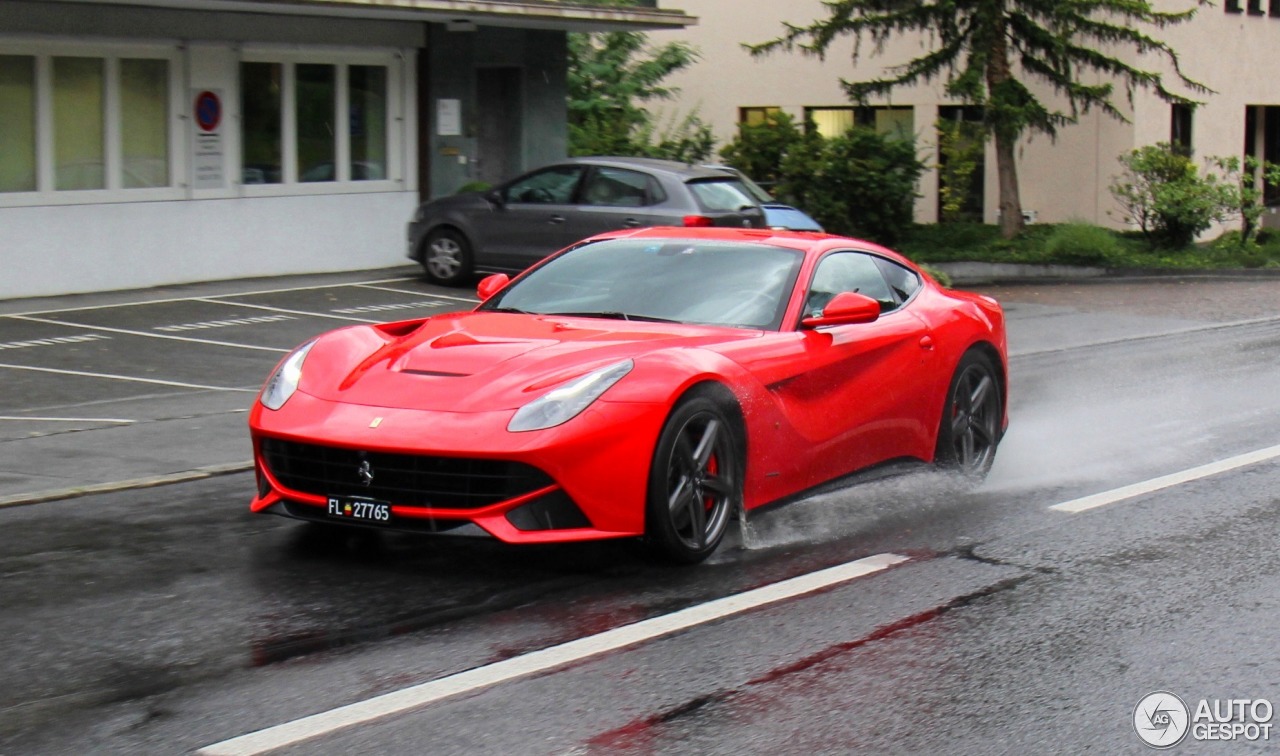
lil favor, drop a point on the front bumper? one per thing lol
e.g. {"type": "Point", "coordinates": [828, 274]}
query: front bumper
{"type": "Point", "coordinates": [584, 480]}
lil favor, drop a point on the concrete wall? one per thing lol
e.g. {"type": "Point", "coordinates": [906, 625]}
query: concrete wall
{"type": "Point", "coordinates": [60, 249]}
{"type": "Point", "coordinates": [63, 242]}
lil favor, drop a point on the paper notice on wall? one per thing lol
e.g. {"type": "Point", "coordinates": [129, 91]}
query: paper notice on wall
{"type": "Point", "coordinates": [449, 117]}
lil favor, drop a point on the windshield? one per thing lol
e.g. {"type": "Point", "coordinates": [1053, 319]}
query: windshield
{"type": "Point", "coordinates": [678, 280]}
{"type": "Point", "coordinates": [722, 195]}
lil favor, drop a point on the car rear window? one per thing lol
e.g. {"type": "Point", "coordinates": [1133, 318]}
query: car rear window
{"type": "Point", "coordinates": [721, 195]}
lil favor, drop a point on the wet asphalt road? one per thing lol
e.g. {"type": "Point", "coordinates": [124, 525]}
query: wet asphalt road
{"type": "Point", "coordinates": [161, 620]}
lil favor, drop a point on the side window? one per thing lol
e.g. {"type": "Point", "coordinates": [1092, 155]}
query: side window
{"type": "Point", "coordinates": [903, 281]}
{"type": "Point", "coordinates": [847, 271]}
{"type": "Point", "coordinates": [554, 186]}
{"type": "Point", "coordinates": [617, 187]}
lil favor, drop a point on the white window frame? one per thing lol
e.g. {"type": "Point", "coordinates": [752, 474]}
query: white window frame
{"type": "Point", "coordinates": [341, 58]}
{"type": "Point", "coordinates": [44, 51]}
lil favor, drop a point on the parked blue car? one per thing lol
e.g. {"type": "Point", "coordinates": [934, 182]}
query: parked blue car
{"type": "Point", "coordinates": [776, 214]}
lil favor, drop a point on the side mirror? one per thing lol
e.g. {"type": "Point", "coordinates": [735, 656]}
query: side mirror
{"type": "Point", "coordinates": [495, 197]}
{"type": "Point", "coordinates": [490, 285]}
{"type": "Point", "coordinates": [845, 307]}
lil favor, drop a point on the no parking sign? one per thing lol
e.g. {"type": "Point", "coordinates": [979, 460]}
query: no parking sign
{"type": "Point", "coordinates": [208, 111]}
{"type": "Point", "coordinates": [207, 158]}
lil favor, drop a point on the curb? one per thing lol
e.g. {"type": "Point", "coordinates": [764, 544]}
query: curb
{"type": "Point", "coordinates": [199, 473]}
{"type": "Point", "coordinates": [969, 273]}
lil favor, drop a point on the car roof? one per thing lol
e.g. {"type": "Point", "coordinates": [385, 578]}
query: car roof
{"type": "Point", "coordinates": [683, 171]}
{"type": "Point", "coordinates": [809, 242]}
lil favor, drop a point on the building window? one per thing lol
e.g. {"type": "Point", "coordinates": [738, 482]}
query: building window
{"type": "Point", "coordinates": [313, 123]}
{"type": "Point", "coordinates": [961, 164]}
{"type": "Point", "coordinates": [1232, 6]}
{"type": "Point", "coordinates": [79, 156]}
{"type": "Point", "coordinates": [367, 114]}
{"type": "Point", "coordinates": [897, 122]}
{"type": "Point", "coordinates": [260, 101]}
{"type": "Point", "coordinates": [17, 123]}
{"type": "Point", "coordinates": [832, 122]}
{"type": "Point", "coordinates": [1262, 140]}
{"type": "Point", "coordinates": [1180, 127]}
{"type": "Point", "coordinates": [757, 116]}
{"type": "Point", "coordinates": [76, 119]}
{"type": "Point", "coordinates": [144, 115]}
{"type": "Point", "coordinates": [316, 100]}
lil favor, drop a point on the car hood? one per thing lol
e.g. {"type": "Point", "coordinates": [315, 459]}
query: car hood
{"type": "Point", "coordinates": [476, 362]}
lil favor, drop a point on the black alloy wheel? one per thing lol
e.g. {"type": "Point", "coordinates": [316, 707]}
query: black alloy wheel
{"type": "Point", "coordinates": [695, 482]}
{"type": "Point", "coordinates": [971, 418]}
{"type": "Point", "coordinates": [447, 257]}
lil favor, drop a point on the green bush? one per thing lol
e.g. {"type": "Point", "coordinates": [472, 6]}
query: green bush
{"type": "Point", "coordinates": [1081, 244]}
{"type": "Point", "coordinates": [861, 183]}
{"type": "Point", "coordinates": [759, 149]}
{"type": "Point", "coordinates": [1162, 193]}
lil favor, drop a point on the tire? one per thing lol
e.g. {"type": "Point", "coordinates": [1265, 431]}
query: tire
{"type": "Point", "coordinates": [695, 480]}
{"type": "Point", "coordinates": [971, 418]}
{"type": "Point", "coordinates": [446, 257]}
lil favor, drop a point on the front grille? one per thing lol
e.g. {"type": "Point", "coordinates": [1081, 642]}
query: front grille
{"type": "Point", "coordinates": [406, 479]}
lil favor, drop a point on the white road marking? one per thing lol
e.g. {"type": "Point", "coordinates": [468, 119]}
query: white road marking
{"type": "Point", "coordinates": [129, 378]}
{"type": "Point", "coordinates": [51, 341]}
{"type": "Point", "coordinates": [471, 680]}
{"type": "Point", "coordinates": [468, 300]}
{"type": "Point", "coordinates": [171, 300]}
{"type": "Point", "coordinates": [205, 324]}
{"type": "Point", "coordinates": [68, 419]}
{"type": "Point", "coordinates": [385, 307]}
{"type": "Point", "coordinates": [145, 334]}
{"type": "Point", "coordinates": [1167, 481]}
{"type": "Point", "coordinates": [211, 300]}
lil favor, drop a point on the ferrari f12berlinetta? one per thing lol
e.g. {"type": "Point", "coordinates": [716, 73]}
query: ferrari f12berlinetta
{"type": "Point", "coordinates": [650, 383]}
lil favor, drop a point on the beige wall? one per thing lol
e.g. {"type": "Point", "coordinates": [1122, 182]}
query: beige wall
{"type": "Point", "coordinates": [1238, 56]}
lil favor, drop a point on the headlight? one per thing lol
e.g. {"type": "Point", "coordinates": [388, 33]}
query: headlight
{"type": "Point", "coordinates": [284, 381]}
{"type": "Point", "coordinates": [564, 404]}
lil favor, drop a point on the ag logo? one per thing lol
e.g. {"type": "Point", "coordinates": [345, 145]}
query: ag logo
{"type": "Point", "coordinates": [1161, 720]}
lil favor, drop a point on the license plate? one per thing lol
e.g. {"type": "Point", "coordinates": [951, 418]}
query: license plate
{"type": "Point", "coordinates": [359, 510]}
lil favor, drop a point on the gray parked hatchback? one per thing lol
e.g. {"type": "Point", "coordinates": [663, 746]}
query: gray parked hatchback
{"type": "Point", "coordinates": [511, 227]}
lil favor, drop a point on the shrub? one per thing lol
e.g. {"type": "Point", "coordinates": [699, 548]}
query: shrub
{"type": "Point", "coordinates": [1081, 244]}
{"type": "Point", "coordinates": [861, 183]}
{"type": "Point", "coordinates": [759, 149]}
{"type": "Point", "coordinates": [1162, 193]}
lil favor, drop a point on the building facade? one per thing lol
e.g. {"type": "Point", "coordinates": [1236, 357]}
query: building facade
{"type": "Point", "coordinates": [1231, 47]}
{"type": "Point", "coordinates": [152, 142]}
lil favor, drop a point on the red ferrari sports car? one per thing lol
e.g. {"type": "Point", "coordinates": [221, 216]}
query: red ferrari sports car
{"type": "Point", "coordinates": [647, 383]}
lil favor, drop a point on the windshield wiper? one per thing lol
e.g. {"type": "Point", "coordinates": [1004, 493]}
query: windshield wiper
{"type": "Point", "coordinates": [612, 315]}
{"type": "Point", "coordinates": [516, 310]}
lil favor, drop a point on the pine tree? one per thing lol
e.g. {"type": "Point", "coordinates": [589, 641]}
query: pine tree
{"type": "Point", "coordinates": [987, 51]}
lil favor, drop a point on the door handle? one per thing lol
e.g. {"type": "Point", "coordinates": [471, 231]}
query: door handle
{"type": "Point", "coordinates": [556, 219]}
{"type": "Point", "coordinates": [926, 343]}
{"type": "Point", "coordinates": [631, 223]}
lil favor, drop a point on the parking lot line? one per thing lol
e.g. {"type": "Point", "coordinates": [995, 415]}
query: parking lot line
{"type": "Point", "coordinates": [171, 300]}
{"type": "Point", "coordinates": [468, 300]}
{"type": "Point", "coordinates": [147, 334]}
{"type": "Point", "coordinates": [69, 419]}
{"type": "Point", "coordinates": [1167, 481]}
{"type": "Point", "coordinates": [155, 381]}
{"type": "Point", "coordinates": [535, 662]}
{"type": "Point", "coordinates": [211, 300]}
